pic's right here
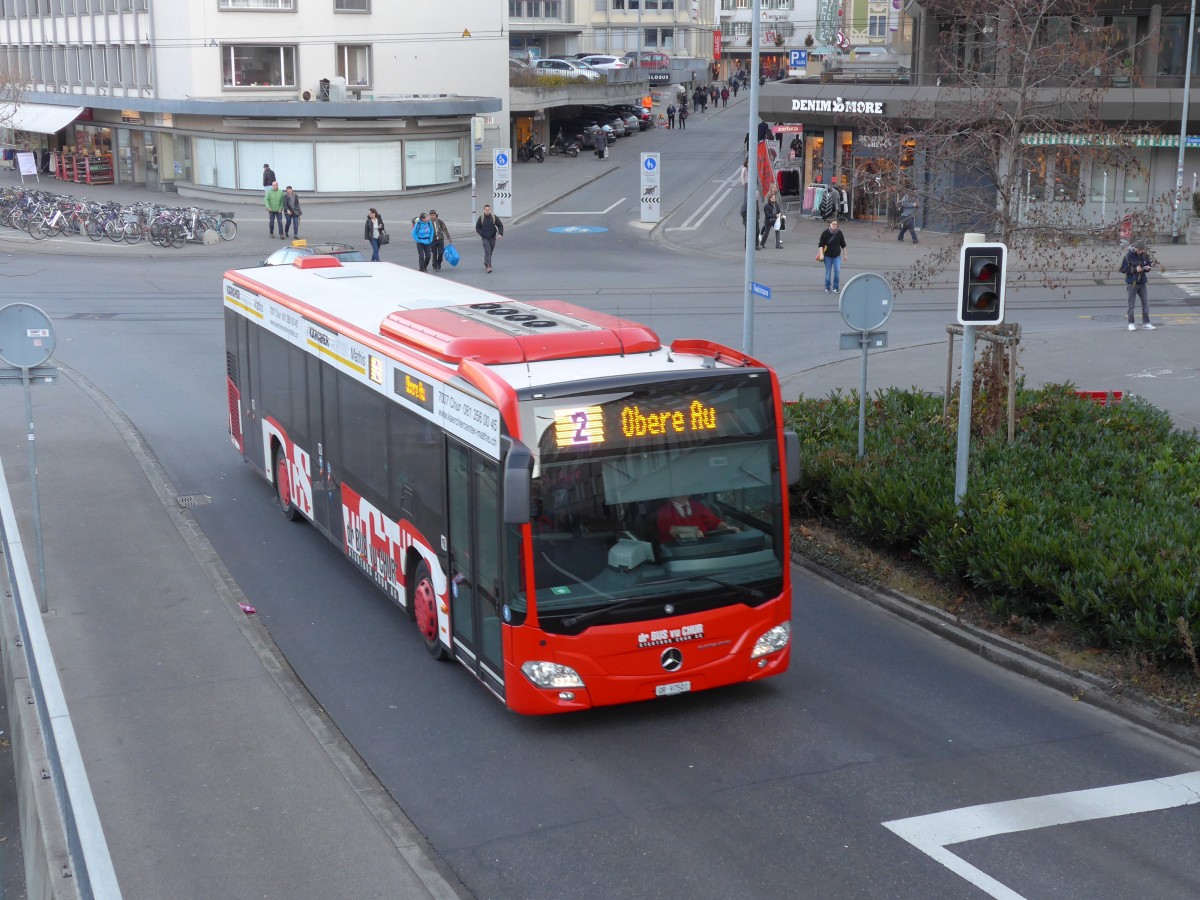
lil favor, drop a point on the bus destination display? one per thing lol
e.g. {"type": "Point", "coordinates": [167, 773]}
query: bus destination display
{"type": "Point", "coordinates": [628, 424]}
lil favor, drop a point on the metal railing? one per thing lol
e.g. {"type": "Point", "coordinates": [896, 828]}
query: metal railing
{"type": "Point", "coordinates": [91, 866]}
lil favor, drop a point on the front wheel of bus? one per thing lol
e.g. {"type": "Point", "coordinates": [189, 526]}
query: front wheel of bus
{"type": "Point", "coordinates": [283, 487]}
{"type": "Point", "coordinates": [423, 599]}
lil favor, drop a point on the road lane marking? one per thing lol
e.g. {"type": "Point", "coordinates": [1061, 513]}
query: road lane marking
{"type": "Point", "coordinates": [591, 213]}
{"type": "Point", "coordinates": [933, 833]}
{"type": "Point", "coordinates": [709, 204]}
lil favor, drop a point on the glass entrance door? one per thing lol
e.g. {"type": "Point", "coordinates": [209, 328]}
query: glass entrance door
{"type": "Point", "coordinates": [476, 593]}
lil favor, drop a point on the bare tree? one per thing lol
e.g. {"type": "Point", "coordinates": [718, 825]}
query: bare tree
{"type": "Point", "coordinates": [1014, 129]}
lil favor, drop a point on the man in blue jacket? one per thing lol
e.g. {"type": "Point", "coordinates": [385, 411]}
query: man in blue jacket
{"type": "Point", "coordinates": [423, 234]}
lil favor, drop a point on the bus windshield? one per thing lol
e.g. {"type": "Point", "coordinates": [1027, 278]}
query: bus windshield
{"type": "Point", "coordinates": [655, 496]}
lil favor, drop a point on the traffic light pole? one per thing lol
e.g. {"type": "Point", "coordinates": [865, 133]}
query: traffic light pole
{"type": "Point", "coordinates": [966, 397]}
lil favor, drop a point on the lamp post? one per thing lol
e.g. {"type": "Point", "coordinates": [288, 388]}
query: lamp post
{"type": "Point", "coordinates": [751, 198]}
{"type": "Point", "coordinates": [1183, 123]}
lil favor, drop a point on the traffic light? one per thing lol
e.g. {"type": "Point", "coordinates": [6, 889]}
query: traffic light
{"type": "Point", "coordinates": [981, 284]}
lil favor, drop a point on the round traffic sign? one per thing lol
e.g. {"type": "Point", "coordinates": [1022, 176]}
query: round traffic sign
{"type": "Point", "coordinates": [502, 159]}
{"type": "Point", "coordinates": [866, 301]}
{"type": "Point", "coordinates": [26, 335]}
{"type": "Point", "coordinates": [651, 164]}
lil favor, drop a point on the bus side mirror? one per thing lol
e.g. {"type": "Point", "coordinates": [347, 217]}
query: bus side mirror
{"type": "Point", "coordinates": [518, 474]}
{"type": "Point", "coordinates": [791, 452]}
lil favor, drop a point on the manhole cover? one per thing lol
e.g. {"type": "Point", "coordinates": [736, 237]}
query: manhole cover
{"type": "Point", "coordinates": [187, 501]}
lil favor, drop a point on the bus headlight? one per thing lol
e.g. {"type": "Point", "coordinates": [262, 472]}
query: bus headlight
{"type": "Point", "coordinates": [551, 675]}
{"type": "Point", "coordinates": [775, 639]}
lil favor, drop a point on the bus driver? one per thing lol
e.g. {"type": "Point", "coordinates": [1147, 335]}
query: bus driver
{"type": "Point", "coordinates": [684, 516]}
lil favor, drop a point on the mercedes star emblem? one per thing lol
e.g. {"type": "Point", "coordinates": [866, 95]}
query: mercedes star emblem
{"type": "Point", "coordinates": [672, 659]}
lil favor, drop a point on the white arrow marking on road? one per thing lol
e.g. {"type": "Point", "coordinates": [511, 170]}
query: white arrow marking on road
{"type": "Point", "coordinates": [590, 213]}
{"type": "Point", "coordinates": [933, 833]}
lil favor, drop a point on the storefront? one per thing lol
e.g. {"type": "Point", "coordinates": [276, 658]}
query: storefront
{"type": "Point", "coordinates": [373, 149]}
{"type": "Point", "coordinates": [839, 149]}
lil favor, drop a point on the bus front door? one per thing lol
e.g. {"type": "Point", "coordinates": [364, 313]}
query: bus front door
{"type": "Point", "coordinates": [475, 584]}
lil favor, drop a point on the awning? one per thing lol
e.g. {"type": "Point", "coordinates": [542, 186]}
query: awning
{"type": "Point", "coordinates": [43, 118]}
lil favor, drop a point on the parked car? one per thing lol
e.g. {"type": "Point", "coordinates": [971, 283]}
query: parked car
{"type": "Point", "coordinates": [645, 118]}
{"type": "Point", "coordinates": [604, 61]}
{"type": "Point", "coordinates": [629, 122]}
{"type": "Point", "coordinates": [566, 68]}
{"type": "Point", "coordinates": [613, 120]}
{"type": "Point", "coordinates": [648, 60]}
{"type": "Point", "coordinates": [285, 256]}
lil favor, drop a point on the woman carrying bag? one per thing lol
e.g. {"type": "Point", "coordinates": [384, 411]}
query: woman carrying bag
{"type": "Point", "coordinates": [375, 232]}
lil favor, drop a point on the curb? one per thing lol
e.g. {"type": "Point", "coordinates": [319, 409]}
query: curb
{"type": "Point", "coordinates": [1081, 686]}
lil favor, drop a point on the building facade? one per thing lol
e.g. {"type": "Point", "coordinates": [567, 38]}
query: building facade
{"type": "Point", "coordinates": [340, 96]}
{"type": "Point", "coordinates": [1140, 83]}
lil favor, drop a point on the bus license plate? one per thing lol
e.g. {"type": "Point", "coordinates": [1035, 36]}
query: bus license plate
{"type": "Point", "coordinates": [679, 687]}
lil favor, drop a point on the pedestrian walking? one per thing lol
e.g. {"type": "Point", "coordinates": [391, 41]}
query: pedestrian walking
{"type": "Point", "coordinates": [908, 217]}
{"type": "Point", "coordinates": [735, 84]}
{"type": "Point", "coordinates": [724, 97]}
{"type": "Point", "coordinates": [274, 204]}
{"type": "Point", "coordinates": [291, 212]}
{"type": "Point", "coordinates": [422, 234]}
{"type": "Point", "coordinates": [268, 177]}
{"type": "Point", "coordinates": [671, 116]}
{"type": "Point", "coordinates": [1136, 266]}
{"type": "Point", "coordinates": [772, 221]}
{"type": "Point", "coordinates": [683, 114]}
{"type": "Point", "coordinates": [374, 231]}
{"type": "Point", "coordinates": [441, 237]}
{"type": "Point", "coordinates": [490, 229]}
{"type": "Point", "coordinates": [831, 250]}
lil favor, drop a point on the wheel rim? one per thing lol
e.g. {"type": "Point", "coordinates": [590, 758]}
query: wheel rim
{"type": "Point", "coordinates": [425, 609]}
{"type": "Point", "coordinates": [283, 487]}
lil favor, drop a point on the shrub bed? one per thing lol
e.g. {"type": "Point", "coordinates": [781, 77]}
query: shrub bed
{"type": "Point", "coordinates": [1091, 516]}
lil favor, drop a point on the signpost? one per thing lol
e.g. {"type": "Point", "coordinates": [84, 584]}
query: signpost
{"type": "Point", "coordinates": [651, 205]}
{"type": "Point", "coordinates": [502, 182]}
{"type": "Point", "coordinates": [866, 304]}
{"type": "Point", "coordinates": [26, 341]}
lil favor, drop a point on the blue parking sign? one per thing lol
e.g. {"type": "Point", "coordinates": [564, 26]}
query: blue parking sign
{"type": "Point", "coordinates": [798, 59]}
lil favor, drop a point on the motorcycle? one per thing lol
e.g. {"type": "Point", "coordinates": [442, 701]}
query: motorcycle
{"type": "Point", "coordinates": [531, 149]}
{"type": "Point", "coordinates": [564, 147]}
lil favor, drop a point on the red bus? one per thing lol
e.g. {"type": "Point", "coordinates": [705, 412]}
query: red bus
{"type": "Point", "coordinates": [577, 513]}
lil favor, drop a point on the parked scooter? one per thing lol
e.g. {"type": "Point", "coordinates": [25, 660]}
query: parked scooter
{"type": "Point", "coordinates": [563, 147]}
{"type": "Point", "coordinates": [531, 149]}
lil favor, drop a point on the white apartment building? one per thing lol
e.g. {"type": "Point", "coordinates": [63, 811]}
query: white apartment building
{"type": "Point", "coordinates": [549, 28]}
{"type": "Point", "coordinates": [783, 26]}
{"type": "Point", "coordinates": [370, 97]}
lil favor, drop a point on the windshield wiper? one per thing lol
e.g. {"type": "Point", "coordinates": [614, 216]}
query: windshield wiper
{"type": "Point", "coordinates": [741, 589]}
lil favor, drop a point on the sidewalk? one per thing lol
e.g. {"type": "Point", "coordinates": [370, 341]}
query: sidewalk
{"type": "Point", "coordinates": [215, 773]}
{"type": "Point", "coordinates": [536, 186]}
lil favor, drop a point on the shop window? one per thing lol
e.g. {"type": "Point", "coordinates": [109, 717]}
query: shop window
{"type": "Point", "coordinates": [354, 64]}
{"type": "Point", "coordinates": [1066, 174]}
{"type": "Point", "coordinates": [215, 163]}
{"type": "Point", "coordinates": [349, 167]}
{"type": "Point", "coordinates": [245, 65]}
{"type": "Point", "coordinates": [1032, 168]}
{"type": "Point", "coordinates": [1102, 186]}
{"type": "Point", "coordinates": [1137, 180]}
{"type": "Point", "coordinates": [430, 162]}
{"type": "Point", "coordinates": [291, 160]}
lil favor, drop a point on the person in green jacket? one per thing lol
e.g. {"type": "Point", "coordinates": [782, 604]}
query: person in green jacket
{"type": "Point", "coordinates": [274, 203]}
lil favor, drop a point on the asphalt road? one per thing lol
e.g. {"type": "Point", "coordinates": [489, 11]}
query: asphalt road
{"type": "Point", "coordinates": [776, 789]}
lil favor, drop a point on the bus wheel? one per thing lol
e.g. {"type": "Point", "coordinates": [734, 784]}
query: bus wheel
{"type": "Point", "coordinates": [423, 599]}
{"type": "Point", "coordinates": [283, 487]}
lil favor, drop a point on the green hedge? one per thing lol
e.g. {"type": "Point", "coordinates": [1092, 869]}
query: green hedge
{"type": "Point", "coordinates": [1091, 516]}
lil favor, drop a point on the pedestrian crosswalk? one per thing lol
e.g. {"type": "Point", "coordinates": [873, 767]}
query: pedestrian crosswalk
{"type": "Point", "coordinates": [1187, 280]}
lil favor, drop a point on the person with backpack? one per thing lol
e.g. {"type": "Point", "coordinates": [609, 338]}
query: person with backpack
{"type": "Point", "coordinates": [1136, 267]}
{"type": "Point", "coordinates": [441, 237]}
